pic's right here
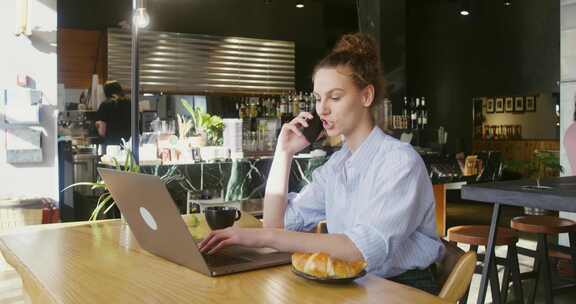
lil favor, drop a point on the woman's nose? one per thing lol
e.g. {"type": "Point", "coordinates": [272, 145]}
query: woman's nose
{"type": "Point", "coordinates": [322, 107]}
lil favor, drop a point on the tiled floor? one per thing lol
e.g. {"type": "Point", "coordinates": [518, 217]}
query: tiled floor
{"type": "Point", "coordinates": [468, 213]}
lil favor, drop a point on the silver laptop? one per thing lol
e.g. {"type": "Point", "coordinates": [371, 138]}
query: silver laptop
{"type": "Point", "coordinates": [159, 228]}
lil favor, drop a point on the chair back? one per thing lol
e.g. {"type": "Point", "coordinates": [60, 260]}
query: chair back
{"type": "Point", "coordinates": [322, 227]}
{"type": "Point", "coordinates": [491, 166]}
{"type": "Point", "coordinates": [454, 272]}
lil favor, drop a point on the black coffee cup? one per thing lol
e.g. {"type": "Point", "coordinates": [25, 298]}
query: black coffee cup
{"type": "Point", "coordinates": [221, 217]}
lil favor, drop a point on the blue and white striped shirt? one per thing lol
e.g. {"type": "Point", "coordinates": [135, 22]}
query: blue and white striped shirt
{"type": "Point", "coordinates": [380, 197]}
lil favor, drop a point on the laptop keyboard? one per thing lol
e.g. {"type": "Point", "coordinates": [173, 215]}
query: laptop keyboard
{"type": "Point", "coordinates": [217, 260]}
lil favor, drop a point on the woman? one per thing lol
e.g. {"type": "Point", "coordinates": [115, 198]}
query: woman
{"type": "Point", "coordinates": [374, 193]}
{"type": "Point", "coordinates": [113, 116]}
{"type": "Point", "coordinates": [570, 142]}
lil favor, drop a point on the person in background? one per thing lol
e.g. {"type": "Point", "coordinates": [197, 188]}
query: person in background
{"type": "Point", "coordinates": [374, 193]}
{"type": "Point", "coordinates": [113, 116]}
{"type": "Point", "coordinates": [570, 142]}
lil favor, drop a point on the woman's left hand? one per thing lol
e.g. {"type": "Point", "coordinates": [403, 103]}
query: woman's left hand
{"type": "Point", "coordinates": [248, 237]}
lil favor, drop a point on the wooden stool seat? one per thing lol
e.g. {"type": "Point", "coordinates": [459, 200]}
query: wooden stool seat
{"type": "Point", "coordinates": [543, 224]}
{"type": "Point", "coordinates": [478, 235]}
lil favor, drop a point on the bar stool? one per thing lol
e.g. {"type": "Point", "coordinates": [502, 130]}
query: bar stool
{"type": "Point", "coordinates": [477, 235]}
{"type": "Point", "coordinates": [543, 225]}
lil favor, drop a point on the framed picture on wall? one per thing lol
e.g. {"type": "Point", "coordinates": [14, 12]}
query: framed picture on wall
{"type": "Point", "coordinates": [530, 104]}
{"type": "Point", "coordinates": [519, 104]}
{"type": "Point", "coordinates": [509, 104]}
{"type": "Point", "coordinates": [490, 105]}
{"type": "Point", "coordinates": [499, 107]}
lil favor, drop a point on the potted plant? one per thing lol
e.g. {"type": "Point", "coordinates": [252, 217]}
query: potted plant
{"type": "Point", "coordinates": [543, 164]}
{"type": "Point", "coordinates": [105, 201]}
{"type": "Point", "coordinates": [205, 125]}
{"type": "Point", "coordinates": [184, 126]}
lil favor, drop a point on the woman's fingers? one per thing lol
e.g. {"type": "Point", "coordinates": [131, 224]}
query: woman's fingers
{"type": "Point", "coordinates": [294, 129]}
{"type": "Point", "coordinates": [220, 245]}
{"type": "Point", "coordinates": [205, 240]}
{"type": "Point", "coordinates": [300, 120]}
{"type": "Point", "coordinates": [306, 115]}
{"type": "Point", "coordinates": [210, 241]}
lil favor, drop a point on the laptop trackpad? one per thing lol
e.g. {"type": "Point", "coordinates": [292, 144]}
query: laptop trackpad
{"type": "Point", "coordinates": [217, 260]}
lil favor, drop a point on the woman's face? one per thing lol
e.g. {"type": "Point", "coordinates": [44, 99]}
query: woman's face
{"type": "Point", "coordinates": [339, 102]}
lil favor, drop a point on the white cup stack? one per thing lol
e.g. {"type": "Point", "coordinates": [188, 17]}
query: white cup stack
{"type": "Point", "coordinates": [233, 136]}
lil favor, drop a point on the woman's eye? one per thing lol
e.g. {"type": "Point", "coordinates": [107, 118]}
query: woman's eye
{"type": "Point", "coordinates": [335, 98]}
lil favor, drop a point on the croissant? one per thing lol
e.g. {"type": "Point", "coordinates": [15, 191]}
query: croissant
{"type": "Point", "coordinates": [321, 265]}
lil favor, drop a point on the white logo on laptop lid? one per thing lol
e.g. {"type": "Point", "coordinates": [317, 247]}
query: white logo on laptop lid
{"type": "Point", "coordinates": [148, 218]}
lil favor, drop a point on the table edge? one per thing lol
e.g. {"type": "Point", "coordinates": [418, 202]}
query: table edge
{"type": "Point", "coordinates": [33, 289]}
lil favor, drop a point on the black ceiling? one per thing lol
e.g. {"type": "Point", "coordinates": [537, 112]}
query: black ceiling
{"type": "Point", "coordinates": [102, 14]}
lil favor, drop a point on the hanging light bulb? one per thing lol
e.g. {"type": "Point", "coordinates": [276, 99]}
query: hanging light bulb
{"type": "Point", "coordinates": [300, 5]}
{"type": "Point", "coordinates": [141, 18]}
{"type": "Point", "coordinates": [507, 3]}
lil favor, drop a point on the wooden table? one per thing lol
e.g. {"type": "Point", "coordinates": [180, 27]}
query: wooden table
{"type": "Point", "coordinates": [561, 197]}
{"type": "Point", "coordinates": [101, 262]}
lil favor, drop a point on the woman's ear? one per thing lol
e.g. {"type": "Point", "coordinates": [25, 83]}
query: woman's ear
{"type": "Point", "coordinates": [367, 96]}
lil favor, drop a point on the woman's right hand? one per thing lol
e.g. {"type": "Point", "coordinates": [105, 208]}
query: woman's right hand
{"type": "Point", "coordinates": [291, 140]}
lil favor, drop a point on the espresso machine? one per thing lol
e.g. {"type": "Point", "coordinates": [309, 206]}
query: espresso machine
{"type": "Point", "coordinates": [79, 127]}
{"type": "Point", "coordinates": [78, 159]}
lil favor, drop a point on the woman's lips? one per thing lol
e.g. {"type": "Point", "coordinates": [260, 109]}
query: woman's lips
{"type": "Point", "coordinates": [327, 124]}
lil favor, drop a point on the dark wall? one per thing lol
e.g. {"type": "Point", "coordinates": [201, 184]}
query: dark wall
{"type": "Point", "coordinates": [310, 28]}
{"type": "Point", "coordinates": [494, 51]}
{"type": "Point", "coordinates": [393, 47]}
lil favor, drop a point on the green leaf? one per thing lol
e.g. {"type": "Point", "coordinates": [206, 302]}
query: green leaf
{"type": "Point", "coordinates": [102, 200]}
{"type": "Point", "coordinates": [126, 161]}
{"type": "Point", "coordinates": [82, 184]}
{"type": "Point", "coordinates": [187, 106]}
{"type": "Point", "coordinates": [216, 122]}
{"type": "Point", "coordinates": [99, 185]}
{"type": "Point", "coordinates": [109, 207]}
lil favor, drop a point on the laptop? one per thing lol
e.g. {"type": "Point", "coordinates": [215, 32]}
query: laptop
{"type": "Point", "coordinates": [157, 225]}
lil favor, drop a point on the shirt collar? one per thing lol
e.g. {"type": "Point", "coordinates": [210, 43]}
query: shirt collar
{"type": "Point", "coordinates": [361, 158]}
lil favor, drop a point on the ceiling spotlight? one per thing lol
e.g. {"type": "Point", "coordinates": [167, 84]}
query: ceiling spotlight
{"type": "Point", "coordinates": [464, 7]}
{"type": "Point", "coordinates": [507, 3]}
{"type": "Point", "coordinates": [300, 5]}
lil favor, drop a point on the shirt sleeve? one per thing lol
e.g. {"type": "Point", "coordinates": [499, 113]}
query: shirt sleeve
{"type": "Point", "coordinates": [305, 209]}
{"type": "Point", "coordinates": [402, 198]}
{"type": "Point", "coordinates": [103, 111]}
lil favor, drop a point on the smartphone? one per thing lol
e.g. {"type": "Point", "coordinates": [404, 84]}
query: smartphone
{"type": "Point", "coordinates": [314, 128]}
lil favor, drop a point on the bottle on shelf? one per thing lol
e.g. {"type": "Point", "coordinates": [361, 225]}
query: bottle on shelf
{"type": "Point", "coordinates": [285, 110]}
{"type": "Point", "coordinates": [418, 114]}
{"type": "Point", "coordinates": [414, 114]}
{"type": "Point", "coordinates": [273, 107]}
{"type": "Point", "coordinates": [424, 113]}
{"type": "Point", "coordinates": [242, 111]}
{"type": "Point", "coordinates": [405, 108]}
{"type": "Point", "coordinates": [295, 105]}
{"type": "Point", "coordinates": [303, 103]}
{"type": "Point", "coordinates": [311, 102]}
{"type": "Point", "coordinates": [289, 109]}
{"type": "Point", "coordinates": [253, 113]}
{"type": "Point", "coordinates": [281, 108]}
